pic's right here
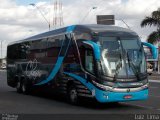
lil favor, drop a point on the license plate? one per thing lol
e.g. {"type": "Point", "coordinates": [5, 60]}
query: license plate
{"type": "Point", "coordinates": [127, 96]}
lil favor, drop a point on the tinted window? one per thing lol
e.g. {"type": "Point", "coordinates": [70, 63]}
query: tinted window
{"type": "Point", "coordinates": [53, 46]}
{"type": "Point", "coordinates": [89, 61]}
{"type": "Point", "coordinates": [65, 45]}
{"type": "Point", "coordinates": [17, 51]}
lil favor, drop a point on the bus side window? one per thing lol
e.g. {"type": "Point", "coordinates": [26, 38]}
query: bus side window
{"type": "Point", "coordinates": [89, 61]}
{"type": "Point", "coordinates": [53, 47]}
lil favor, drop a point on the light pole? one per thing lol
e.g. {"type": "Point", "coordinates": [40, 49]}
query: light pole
{"type": "Point", "coordinates": [1, 48]}
{"type": "Point", "coordinates": [124, 23]}
{"type": "Point", "coordinates": [34, 5]}
{"type": "Point", "coordinates": [28, 33]}
{"type": "Point", "coordinates": [93, 8]}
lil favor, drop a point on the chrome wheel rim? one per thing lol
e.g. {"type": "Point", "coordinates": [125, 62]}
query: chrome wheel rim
{"type": "Point", "coordinates": [23, 87]}
{"type": "Point", "coordinates": [18, 85]}
{"type": "Point", "coordinates": [73, 95]}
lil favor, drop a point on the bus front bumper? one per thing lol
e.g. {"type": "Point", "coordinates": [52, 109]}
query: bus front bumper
{"type": "Point", "coordinates": [107, 96]}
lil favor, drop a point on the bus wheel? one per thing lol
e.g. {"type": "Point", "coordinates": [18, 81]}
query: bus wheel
{"type": "Point", "coordinates": [25, 88]}
{"type": "Point", "coordinates": [19, 87]}
{"type": "Point", "coordinates": [73, 95]}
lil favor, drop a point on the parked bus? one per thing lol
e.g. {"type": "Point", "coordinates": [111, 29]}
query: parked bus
{"type": "Point", "coordinates": [97, 61]}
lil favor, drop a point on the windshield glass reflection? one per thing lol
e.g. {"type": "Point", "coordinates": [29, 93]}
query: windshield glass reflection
{"type": "Point", "coordinates": [122, 57]}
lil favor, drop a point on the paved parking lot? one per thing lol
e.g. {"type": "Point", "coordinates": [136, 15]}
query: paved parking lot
{"type": "Point", "coordinates": [12, 102]}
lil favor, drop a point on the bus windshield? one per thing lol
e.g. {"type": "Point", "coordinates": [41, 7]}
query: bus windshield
{"type": "Point", "coordinates": [122, 57]}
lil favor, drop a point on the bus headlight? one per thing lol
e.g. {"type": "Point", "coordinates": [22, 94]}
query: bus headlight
{"type": "Point", "coordinates": [102, 86]}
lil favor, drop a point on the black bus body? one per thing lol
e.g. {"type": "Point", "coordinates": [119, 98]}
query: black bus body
{"type": "Point", "coordinates": [97, 61]}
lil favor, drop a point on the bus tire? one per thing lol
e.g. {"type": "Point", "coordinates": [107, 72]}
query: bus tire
{"type": "Point", "coordinates": [73, 95]}
{"type": "Point", "coordinates": [26, 87]}
{"type": "Point", "coordinates": [19, 87]}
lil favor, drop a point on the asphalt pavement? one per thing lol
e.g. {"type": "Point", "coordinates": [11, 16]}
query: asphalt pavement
{"type": "Point", "coordinates": [12, 102]}
{"type": "Point", "coordinates": [154, 76]}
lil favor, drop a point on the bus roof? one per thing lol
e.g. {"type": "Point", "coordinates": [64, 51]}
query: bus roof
{"type": "Point", "coordinates": [82, 28]}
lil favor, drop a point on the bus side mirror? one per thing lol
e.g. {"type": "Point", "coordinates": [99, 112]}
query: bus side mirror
{"type": "Point", "coordinates": [153, 49]}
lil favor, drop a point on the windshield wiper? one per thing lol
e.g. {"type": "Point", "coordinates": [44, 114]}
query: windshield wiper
{"type": "Point", "coordinates": [132, 66]}
{"type": "Point", "coordinates": [119, 65]}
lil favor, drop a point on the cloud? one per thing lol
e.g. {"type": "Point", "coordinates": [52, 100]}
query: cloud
{"type": "Point", "coordinates": [131, 11]}
{"type": "Point", "coordinates": [20, 21]}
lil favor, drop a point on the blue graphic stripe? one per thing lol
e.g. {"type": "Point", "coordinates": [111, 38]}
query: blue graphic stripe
{"type": "Point", "coordinates": [54, 71]}
{"type": "Point", "coordinates": [59, 60]}
{"type": "Point", "coordinates": [153, 48]}
{"type": "Point", "coordinates": [70, 28]}
{"type": "Point", "coordinates": [96, 48]}
{"type": "Point", "coordinates": [67, 47]}
{"type": "Point", "coordinates": [82, 80]}
{"type": "Point", "coordinates": [61, 48]}
{"type": "Point", "coordinates": [108, 96]}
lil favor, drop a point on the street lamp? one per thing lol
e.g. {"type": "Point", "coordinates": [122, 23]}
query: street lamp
{"type": "Point", "coordinates": [124, 23]}
{"type": "Point", "coordinates": [34, 5]}
{"type": "Point", "coordinates": [28, 33]}
{"type": "Point", "coordinates": [93, 8]}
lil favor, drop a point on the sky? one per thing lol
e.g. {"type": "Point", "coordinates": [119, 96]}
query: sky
{"type": "Point", "coordinates": [19, 20]}
{"type": "Point", "coordinates": [26, 2]}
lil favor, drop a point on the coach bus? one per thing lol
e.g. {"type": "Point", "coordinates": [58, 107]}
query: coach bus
{"type": "Point", "coordinates": [96, 61]}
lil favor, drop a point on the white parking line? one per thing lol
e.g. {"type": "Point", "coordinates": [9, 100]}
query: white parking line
{"type": "Point", "coordinates": [154, 81]}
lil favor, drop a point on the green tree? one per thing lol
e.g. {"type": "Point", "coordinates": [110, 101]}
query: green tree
{"type": "Point", "coordinates": [153, 20]}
